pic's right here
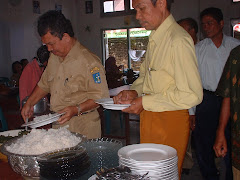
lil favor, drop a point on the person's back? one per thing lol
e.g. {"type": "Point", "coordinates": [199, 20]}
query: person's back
{"type": "Point", "coordinates": [32, 73]}
{"type": "Point", "coordinates": [113, 73]}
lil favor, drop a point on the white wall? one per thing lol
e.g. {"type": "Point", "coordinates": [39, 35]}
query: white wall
{"type": "Point", "coordinates": [19, 25]}
{"type": "Point", "coordinates": [5, 65]}
{"type": "Point", "coordinates": [19, 38]}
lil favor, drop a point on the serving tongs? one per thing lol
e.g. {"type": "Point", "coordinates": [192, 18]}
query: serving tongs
{"type": "Point", "coordinates": [26, 127]}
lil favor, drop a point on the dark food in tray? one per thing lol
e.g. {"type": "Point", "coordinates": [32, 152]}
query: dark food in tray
{"type": "Point", "coordinates": [119, 173]}
{"type": "Point", "coordinates": [6, 138]}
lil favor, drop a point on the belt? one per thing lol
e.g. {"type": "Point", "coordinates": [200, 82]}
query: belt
{"type": "Point", "coordinates": [209, 92]}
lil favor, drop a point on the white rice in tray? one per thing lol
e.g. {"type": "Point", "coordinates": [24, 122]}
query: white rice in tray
{"type": "Point", "coordinates": [39, 141]}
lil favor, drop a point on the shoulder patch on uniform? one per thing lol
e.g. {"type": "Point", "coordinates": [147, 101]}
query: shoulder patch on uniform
{"type": "Point", "coordinates": [94, 70]}
{"type": "Point", "coordinates": [96, 75]}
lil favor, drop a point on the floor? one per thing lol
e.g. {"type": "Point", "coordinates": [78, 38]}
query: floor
{"type": "Point", "coordinates": [118, 129]}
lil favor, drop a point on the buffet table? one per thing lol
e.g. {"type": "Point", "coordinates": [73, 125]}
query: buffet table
{"type": "Point", "coordinates": [6, 172]}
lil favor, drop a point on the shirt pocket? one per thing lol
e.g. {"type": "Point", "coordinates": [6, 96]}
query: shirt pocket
{"type": "Point", "coordinates": [160, 80]}
{"type": "Point", "coordinates": [73, 85]}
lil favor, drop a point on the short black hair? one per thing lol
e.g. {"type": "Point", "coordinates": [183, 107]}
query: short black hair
{"type": "Point", "coordinates": [43, 54]}
{"type": "Point", "coordinates": [22, 60]}
{"type": "Point", "coordinates": [169, 2]}
{"type": "Point", "coordinates": [56, 23]}
{"type": "Point", "coordinates": [191, 22]}
{"type": "Point", "coordinates": [13, 66]}
{"type": "Point", "coordinates": [216, 13]}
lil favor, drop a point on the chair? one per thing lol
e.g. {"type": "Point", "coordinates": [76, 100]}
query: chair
{"type": "Point", "coordinates": [107, 115]}
{"type": "Point", "coordinates": [3, 121]}
{"type": "Point", "coordinates": [106, 125]}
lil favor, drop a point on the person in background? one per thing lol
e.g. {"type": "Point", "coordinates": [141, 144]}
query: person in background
{"type": "Point", "coordinates": [168, 83]}
{"type": "Point", "coordinates": [74, 77]}
{"type": "Point", "coordinates": [191, 26]}
{"type": "Point", "coordinates": [24, 62]}
{"type": "Point", "coordinates": [17, 71]}
{"type": "Point", "coordinates": [32, 73]}
{"type": "Point", "coordinates": [113, 74]}
{"type": "Point", "coordinates": [228, 88]}
{"type": "Point", "coordinates": [212, 54]}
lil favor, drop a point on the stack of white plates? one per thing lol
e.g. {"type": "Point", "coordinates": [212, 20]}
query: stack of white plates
{"type": "Point", "coordinates": [44, 120]}
{"type": "Point", "coordinates": [108, 103]}
{"type": "Point", "coordinates": [159, 161]}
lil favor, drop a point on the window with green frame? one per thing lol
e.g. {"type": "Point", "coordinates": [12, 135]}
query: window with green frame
{"type": "Point", "coordinates": [127, 45]}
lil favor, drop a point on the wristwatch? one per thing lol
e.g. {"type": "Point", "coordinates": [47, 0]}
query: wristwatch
{"type": "Point", "coordinates": [79, 110]}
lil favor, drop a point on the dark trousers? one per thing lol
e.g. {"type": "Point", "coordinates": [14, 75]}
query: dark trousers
{"type": "Point", "coordinates": [207, 118]}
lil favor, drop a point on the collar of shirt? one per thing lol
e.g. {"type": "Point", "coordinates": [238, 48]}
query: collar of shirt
{"type": "Point", "coordinates": [72, 54]}
{"type": "Point", "coordinates": [156, 35]}
{"type": "Point", "coordinates": [223, 41]}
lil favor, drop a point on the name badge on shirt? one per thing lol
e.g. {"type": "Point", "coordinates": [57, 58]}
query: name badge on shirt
{"type": "Point", "coordinates": [96, 75]}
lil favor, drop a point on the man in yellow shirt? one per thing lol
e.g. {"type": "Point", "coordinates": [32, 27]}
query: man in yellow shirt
{"type": "Point", "coordinates": [169, 83]}
{"type": "Point", "coordinates": [74, 77]}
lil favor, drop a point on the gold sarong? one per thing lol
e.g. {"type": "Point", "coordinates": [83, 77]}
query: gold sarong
{"type": "Point", "coordinates": [169, 128]}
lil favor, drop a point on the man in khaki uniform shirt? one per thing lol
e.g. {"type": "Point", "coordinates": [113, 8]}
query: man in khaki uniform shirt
{"type": "Point", "coordinates": [74, 77]}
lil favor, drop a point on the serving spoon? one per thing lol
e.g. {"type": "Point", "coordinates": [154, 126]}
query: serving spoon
{"type": "Point", "coordinates": [26, 128]}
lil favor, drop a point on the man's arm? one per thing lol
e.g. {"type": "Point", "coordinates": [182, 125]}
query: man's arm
{"type": "Point", "coordinates": [220, 146]}
{"type": "Point", "coordinates": [27, 110]}
{"type": "Point", "coordinates": [95, 90]}
{"type": "Point", "coordinates": [71, 111]}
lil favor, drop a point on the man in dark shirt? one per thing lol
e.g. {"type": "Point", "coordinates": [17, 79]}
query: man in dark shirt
{"type": "Point", "coordinates": [229, 89]}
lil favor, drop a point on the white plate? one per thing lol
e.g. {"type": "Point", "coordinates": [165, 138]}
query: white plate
{"type": "Point", "coordinates": [153, 164]}
{"type": "Point", "coordinates": [11, 132]}
{"type": "Point", "coordinates": [104, 101]}
{"type": "Point", "coordinates": [147, 152]}
{"type": "Point", "coordinates": [116, 106]}
{"type": "Point", "coordinates": [162, 171]}
{"type": "Point", "coordinates": [148, 165]}
{"type": "Point", "coordinates": [108, 103]}
{"type": "Point", "coordinates": [38, 123]}
{"type": "Point", "coordinates": [156, 174]}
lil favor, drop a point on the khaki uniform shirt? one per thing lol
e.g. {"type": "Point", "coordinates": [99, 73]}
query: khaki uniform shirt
{"type": "Point", "coordinates": [73, 80]}
{"type": "Point", "coordinates": [169, 74]}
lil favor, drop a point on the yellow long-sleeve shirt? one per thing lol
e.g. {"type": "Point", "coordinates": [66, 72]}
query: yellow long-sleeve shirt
{"type": "Point", "coordinates": [169, 74]}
